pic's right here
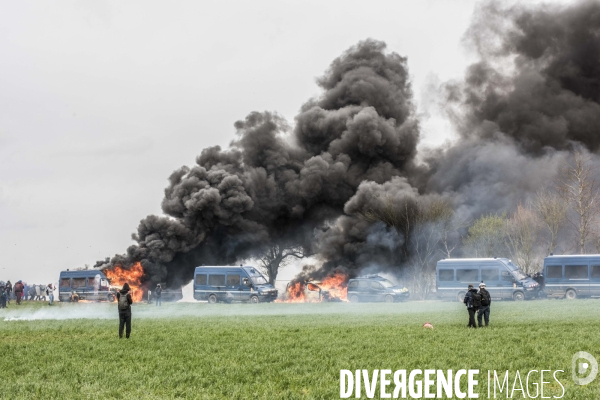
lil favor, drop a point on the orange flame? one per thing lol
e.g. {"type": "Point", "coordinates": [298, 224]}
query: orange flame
{"type": "Point", "coordinates": [333, 287]}
{"type": "Point", "coordinates": [118, 276]}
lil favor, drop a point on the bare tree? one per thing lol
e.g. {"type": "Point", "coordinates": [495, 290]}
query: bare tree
{"type": "Point", "coordinates": [424, 241]}
{"type": "Point", "coordinates": [278, 256]}
{"type": "Point", "coordinates": [450, 225]}
{"type": "Point", "coordinates": [522, 232]}
{"type": "Point", "coordinates": [577, 187]}
{"type": "Point", "coordinates": [552, 210]}
{"type": "Point", "coordinates": [400, 215]}
{"type": "Point", "coordinates": [422, 224]}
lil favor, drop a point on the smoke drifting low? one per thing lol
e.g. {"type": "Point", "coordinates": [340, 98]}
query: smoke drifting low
{"type": "Point", "coordinates": [533, 96]}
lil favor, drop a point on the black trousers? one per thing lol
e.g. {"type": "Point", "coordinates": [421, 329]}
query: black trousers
{"type": "Point", "coordinates": [472, 312]}
{"type": "Point", "coordinates": [125, 322]}
{"type": "Point", "coordinates": [484, 312]}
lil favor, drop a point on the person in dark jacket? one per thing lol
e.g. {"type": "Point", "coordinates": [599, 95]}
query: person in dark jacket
{"type": "Point", "coordinates": [158, 294]}
{"type": "Point", "coordinates": [468, 300]}
{"type": "Point", "coordinates": [3, 297]}
{"type": "Point", "coordinates": [19, 287]}
{"type": "Point", "coordinates": [124, 301]}
{"type": "Point", "coordinates": [484, 310]}
{"type": "Point", "coordinates": [9, 288]}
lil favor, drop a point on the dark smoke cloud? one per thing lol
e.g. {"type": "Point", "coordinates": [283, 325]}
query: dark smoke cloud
{"type": "Point", "coordinates": [532, 96]}
{"type": "Point", "coordinates": [275, 184]}
{"type": "Point", "coordinates": [550, 96]}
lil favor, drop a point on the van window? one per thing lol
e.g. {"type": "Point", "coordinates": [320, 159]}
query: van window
{"type": "Point", "coordinates": [446, 275]}
{"type": "Point", "coordinates": [363, 284]}
{"type": "Point", "coordinates": [554, 272]}
{"type": "Point", "coordinates": [353, 284]}
{"type": "Point", "coordinates": [65, 282]}
{"type": "Point", "coordinates": [576, 271]}
{"type": "Point", "coordinates": [216, 280]}
{"type": "Point", "coordinates": [507, 276]}
{"type": "Point", "coordinates": [233, 280]}
{"type": "Point", "coordinates": [201, 279]}
{"type": "Point", "coordinates": [467, 275]}
{"type": "Point", "coordinates": [490, 274]}
{"type": "Point", "coordinates": [376, 286]}
{"type": "Point", "coordinates": [91, 282]}
{"type": "Point", "coordinates": [595, 273]}
{"type": "Point", "coordinates": [78, 282]}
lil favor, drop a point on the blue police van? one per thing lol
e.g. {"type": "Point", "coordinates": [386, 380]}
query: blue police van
{"type": "Point", "coordinates": [228, 284]}
{"type": "Point", "coordinates": [572, 276]}
{"type": "Point", "coordinates": [89, 285]}
{"type": "Point", "coordinates": [503, 279]}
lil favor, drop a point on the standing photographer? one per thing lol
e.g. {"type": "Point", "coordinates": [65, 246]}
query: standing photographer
{"type": "Point", "coordinates": [124, 301]}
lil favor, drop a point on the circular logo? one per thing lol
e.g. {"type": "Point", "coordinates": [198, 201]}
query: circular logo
{"type": "Point", "coordinates": [581, 368]}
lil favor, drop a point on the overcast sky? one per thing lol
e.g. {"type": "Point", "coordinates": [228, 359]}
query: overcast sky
{"type": "Point", "coordinates": [101, 100]}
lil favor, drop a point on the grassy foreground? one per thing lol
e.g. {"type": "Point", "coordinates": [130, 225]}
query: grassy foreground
{"type": "Point", "coordinates": [280, 351]}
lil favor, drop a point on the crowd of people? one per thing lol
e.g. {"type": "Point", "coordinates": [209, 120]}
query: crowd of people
{"type": "Point", "coordinates": [21, 291]}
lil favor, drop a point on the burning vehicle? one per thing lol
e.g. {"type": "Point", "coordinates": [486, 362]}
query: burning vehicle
{"type": "Point", "coordinates": [331, 288]}
{"type": "Point", "coordinates": [89, 285]}
{"type": "Point", "coordinates": [375, 288]}
{"type": "Point", "coordinates": [100, 285]}
{"type": "Point", "coordinates": [229, 284]}
{"type": "Point", "coordinates": [168, 295]}
{"type": "Point", "coordinates": [118, 276]}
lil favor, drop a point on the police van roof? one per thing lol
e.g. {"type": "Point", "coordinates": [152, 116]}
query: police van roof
{"type": "Point", "coordinates": [82, 273]}
{"type": "Point", "coordinates": [574, 255]}
{"type": "Point", "coordinates": [451, 260]}
{"type": "Point", "coordinates": [558, 257]}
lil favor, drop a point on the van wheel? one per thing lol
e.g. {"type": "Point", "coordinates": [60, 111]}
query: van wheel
{"type": "Point", "coordinates": [111, 298]}
{"type": "Point", "coordinates": [389, 298]}
{"type": "Point", "coordinates": [212, 299]}
{"type": "Point", "coordinates": [571, 294]}
{"type": "Point", "coordinates": [254, 299]}
{"type": "Point", "coordinates": [354, 298]}
{"type": "Point", "coordinates": [518, 296]}
{"type": "Point", "coordinates": [461, 296]}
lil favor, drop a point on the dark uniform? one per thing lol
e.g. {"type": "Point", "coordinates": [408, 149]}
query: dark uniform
{"type": "Point", "coordinates": [158, 294]}
{"type": "Point", "coordinates": [125, 314]}
{"type": "Point", "coordinates": [484, 310]}
{"type": "Point", "coordinates": [470, 306]}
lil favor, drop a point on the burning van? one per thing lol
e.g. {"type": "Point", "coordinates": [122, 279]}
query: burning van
{"type": "Point", "coordinates": [331, 288]}
{"type": "Point", "coordinates": [90, 285]}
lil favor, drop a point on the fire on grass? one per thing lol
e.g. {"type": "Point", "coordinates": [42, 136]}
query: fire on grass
{"type": "Point", "coordinates": [118, 276]}
{"type": "Point", "coordinates": [332, 288]}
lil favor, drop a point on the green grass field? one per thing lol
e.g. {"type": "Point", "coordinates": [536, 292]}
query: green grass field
{"type": "Point", "coordinates": [279, 351]}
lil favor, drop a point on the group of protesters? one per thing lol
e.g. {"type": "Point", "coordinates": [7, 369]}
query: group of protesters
{"type": "Point", "coordinates": [22, 291]}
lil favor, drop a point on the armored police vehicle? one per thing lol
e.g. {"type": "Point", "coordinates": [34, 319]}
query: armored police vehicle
{"type": "Point", "coordinates": [503, 279]}
{"type": "Point", "coordinates": [228, 284]}
{"type": "Point", "coordinates": [85, 285]}
{"type": "Point", "coordinates": [572, 276]}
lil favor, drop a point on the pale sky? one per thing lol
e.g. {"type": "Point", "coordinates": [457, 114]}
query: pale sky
{"type": "Point", "coordinates": [101, 100]}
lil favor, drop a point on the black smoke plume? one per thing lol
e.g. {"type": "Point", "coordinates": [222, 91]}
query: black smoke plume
{"type": "Point", "coordinates": [275, 184]}
{"type": "Point", "coordinates": [532, 97]}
